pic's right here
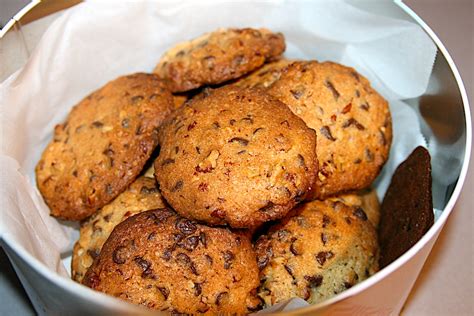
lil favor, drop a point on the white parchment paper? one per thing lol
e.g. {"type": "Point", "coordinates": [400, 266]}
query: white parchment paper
{"type": "Point", "coordinates": [97, 41]}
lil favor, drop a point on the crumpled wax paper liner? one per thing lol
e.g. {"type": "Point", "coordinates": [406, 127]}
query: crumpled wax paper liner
{"type": "Point", "coordinates": [95, 42]}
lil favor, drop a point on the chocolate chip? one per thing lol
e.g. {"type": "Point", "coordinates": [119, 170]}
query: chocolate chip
{"type": "Point", "coordinates": [331, 87]}
{"type": "Point", "coordinates": [197, 289]}
{"type": "Point", "coordinates": [190, 243]}
{"type": "Point", "coordinates": [93, 253]}
{"type": "Point", "coordinates": [198, 150]}
{"type": "Point", "coordinates": [326, 220]}
{"type": "Point", "coordinates": [353, 122]}
{"type": "Point", "coordinates": [382, 138]}
{"type": "Point", "coordinates": [192, 125]}
{"type": "Point", "coordinates": [167, 161]}
{"type": "Point", "coordinates": [241, 141]}
{"type": "Point", "coordinates": [180, 53]}
{"type": "Point", "coordinates": [293, 250]}
{"type": "Point", "coordinates": [357, 161]}
{"type": "Point", "coordinates": [209, 259]}
{"type": "Point", "coordinates": [203, 239]}
{"type": "Point", "coordinates": [359, 213]}
{"type": "Point", "coordinates": [364, 106]}
{"type": "Point", "coordinates": [347, 285]}
{"type": "Point", "coordinates": [327, 132]}
{"type": "Point", "coordinates": [228, 258]}
{"type": "Point", "coordinates": [301, 162]}
{"type": "Point", "coordinates": [97, 124]}
{"type": "Point", "coordinates": [120, 254]}
{"type": "Point", "coordinates": [74, 173]}
{"type": "Point", "coordinates": [185, 226]}
{"type": "Point", "coordinates": [322, 256]}
{"type": "Point", "coordinates": [142, 263]}
{"type": "Point", "coordinates": [324, 238]}
{"type": "Point", "coordinates": [248, 120]}
{"type": "Point", "coordinates": [263, 260]}
{"type": "Point", "coordinates": [289, 270]}
{"type": "Point", "coordinates": [257, 130]}
{"type": "Point", "coordinates": [232, 122]}
{"type": "Point", "coordinates": [178, 186]}
{"type": "Point", "coordinates": [151, 236]}
{"type": "Point", "coordinates": [220, 297]}
{"type": "Point", "coordinates": [164, 291]}
{"type": "Point", "coordinates": [314, 280]}
{"type": "Point", "coordinates": [369, 155]}
{"type": "Point", "coordinates": [297, 93]}
{"type": "Point", "coordinates": [203, 187]}
{"type": "Point", "coordinates": [215, 125]}
{"type": "Point", "coordinates": [167, 254]}
{"type": "Point", "coordinates": [183, 258]}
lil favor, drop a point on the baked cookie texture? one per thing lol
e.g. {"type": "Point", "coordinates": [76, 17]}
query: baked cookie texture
{"type": "Point", "coordinates": [351, 119]}
{"type": "Point", "coordinates": [217, 57]}
{"type": "Point", "coordinates": [265, 76]}
{"type": "Point", "coordinates": [235, 156]}
{"type": "Point", "coordinates": [166, 262]}
{"type": "Point", "coordinates": [142, 195]}
{"type": "Point", "coordinates": [323, 249]}
{"type": "Point", "coordinates": [407, 207]}
{"type": "Point", "coordinates": [102, 146]}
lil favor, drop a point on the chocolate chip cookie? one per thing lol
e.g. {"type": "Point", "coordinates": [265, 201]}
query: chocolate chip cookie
{"type": "Point", "coordinates": [235, 156]}
{"type": "Point", "coordinates": [217, 57]}
{"type": "Point", "coordinates": [142, 195]}
{"type": "Point", "coordinates": [166, 262]}
{"type": "Point", "coordinates": [352, 120]}
{"type": "Point", "coordinates": [264, 76]}
{"type": "Point", "coordinates": [324, 248]}
{"type": "Point", "coordinates": [102, 146]}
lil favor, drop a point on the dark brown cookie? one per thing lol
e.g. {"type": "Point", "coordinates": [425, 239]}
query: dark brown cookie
{"type": "Point", "coordinates": [217, 57]}
{"type": "Point", "coordinates": [235, 156]}
{"type": "Point", "coordinates": [165, 262]}
{"type": "Point", "coordinates": [407, 207]}
{"type": "Point", "coordinates": [142, 195]}
{"type": "Point", "coordinates": [103, 145]}
{"type": "Point", "coordinates": [319, 250]}
{"type": "Point", "coordinates": [352, 121]}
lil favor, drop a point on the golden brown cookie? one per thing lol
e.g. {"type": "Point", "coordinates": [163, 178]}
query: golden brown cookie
{"type": "Point", "coordinates": [235, 156]}
{"type": "Point", "coordinates": [142, 195]}
{"type": "Point", "coordinates": [352, 121]}
{"type": "Point", "coordinates": [324, 248]}
{"type": "Point", "coordinates": [219, 56]}
{"type": "Point", "coordinates": [166, 262]}
{"type": "Point", "coordinates": [264, 76]}
{"type": "Point", "coordinates": [102, 146]}
{"type": "Point", "coordinates": [365, 199]}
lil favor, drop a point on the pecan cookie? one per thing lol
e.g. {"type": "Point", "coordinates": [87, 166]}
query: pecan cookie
{"type": "Point", "coordinates": [235, 156]}
{"type": "Point", "coordinates": [166, 262]}
{"type": "Point", "coordinates": [219, 56]}
{"type": "Point", "coordinates": [264, 76]}
{"type": "Point", "coordinates": [407, 207]}
{"type": "Point", "coordinates": [103, 145]}
{"type": "Point", "coordinates": [323, 249]}
{"type": "Point", "coordinates": [142, 195]}
{"type": "Point", "coordinates": [352, 120]}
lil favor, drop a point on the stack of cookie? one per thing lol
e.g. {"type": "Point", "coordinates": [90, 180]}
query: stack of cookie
{"type": "Point", "coordinates": [228, 180]}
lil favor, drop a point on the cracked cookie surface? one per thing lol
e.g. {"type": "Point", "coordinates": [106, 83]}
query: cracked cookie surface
{"type": "Point", "coordinates": [142, 195]}
{"type": "Point", "coordinates": [351, 119]}
{"type": "Point", "coordinates": [103, 145]}
{"type": "Point", "coordinates": [323, 249]}
{"type": "Point", "coordinates": [235, 156]}
{"type": "Point", "coordinates": [163, 261]}
{"type": "Point", "coordinates": [217, 57]}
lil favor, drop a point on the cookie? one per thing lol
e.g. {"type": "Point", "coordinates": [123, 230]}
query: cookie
{"type": "Point", "coordinates": [352, 120]}
{"type": "Point", "coordinates": [142, 195]}
{"type": "Point", "coordinates": [102, 146]}
{"type": "Point", "coordinates": [407, 207]}
{"type": "Point", "coordinates": [264, 76]}
{"type": "Point", "coordinates": [323, 248]}
{"type": "Point", "coordinates": [235, 156]}
{"type": "Point", "coordinates": [366, 199]}
{"type": "Point", "coordinates": [166, 262]}
{"type": "Point", "coordinates": [217, 57]}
